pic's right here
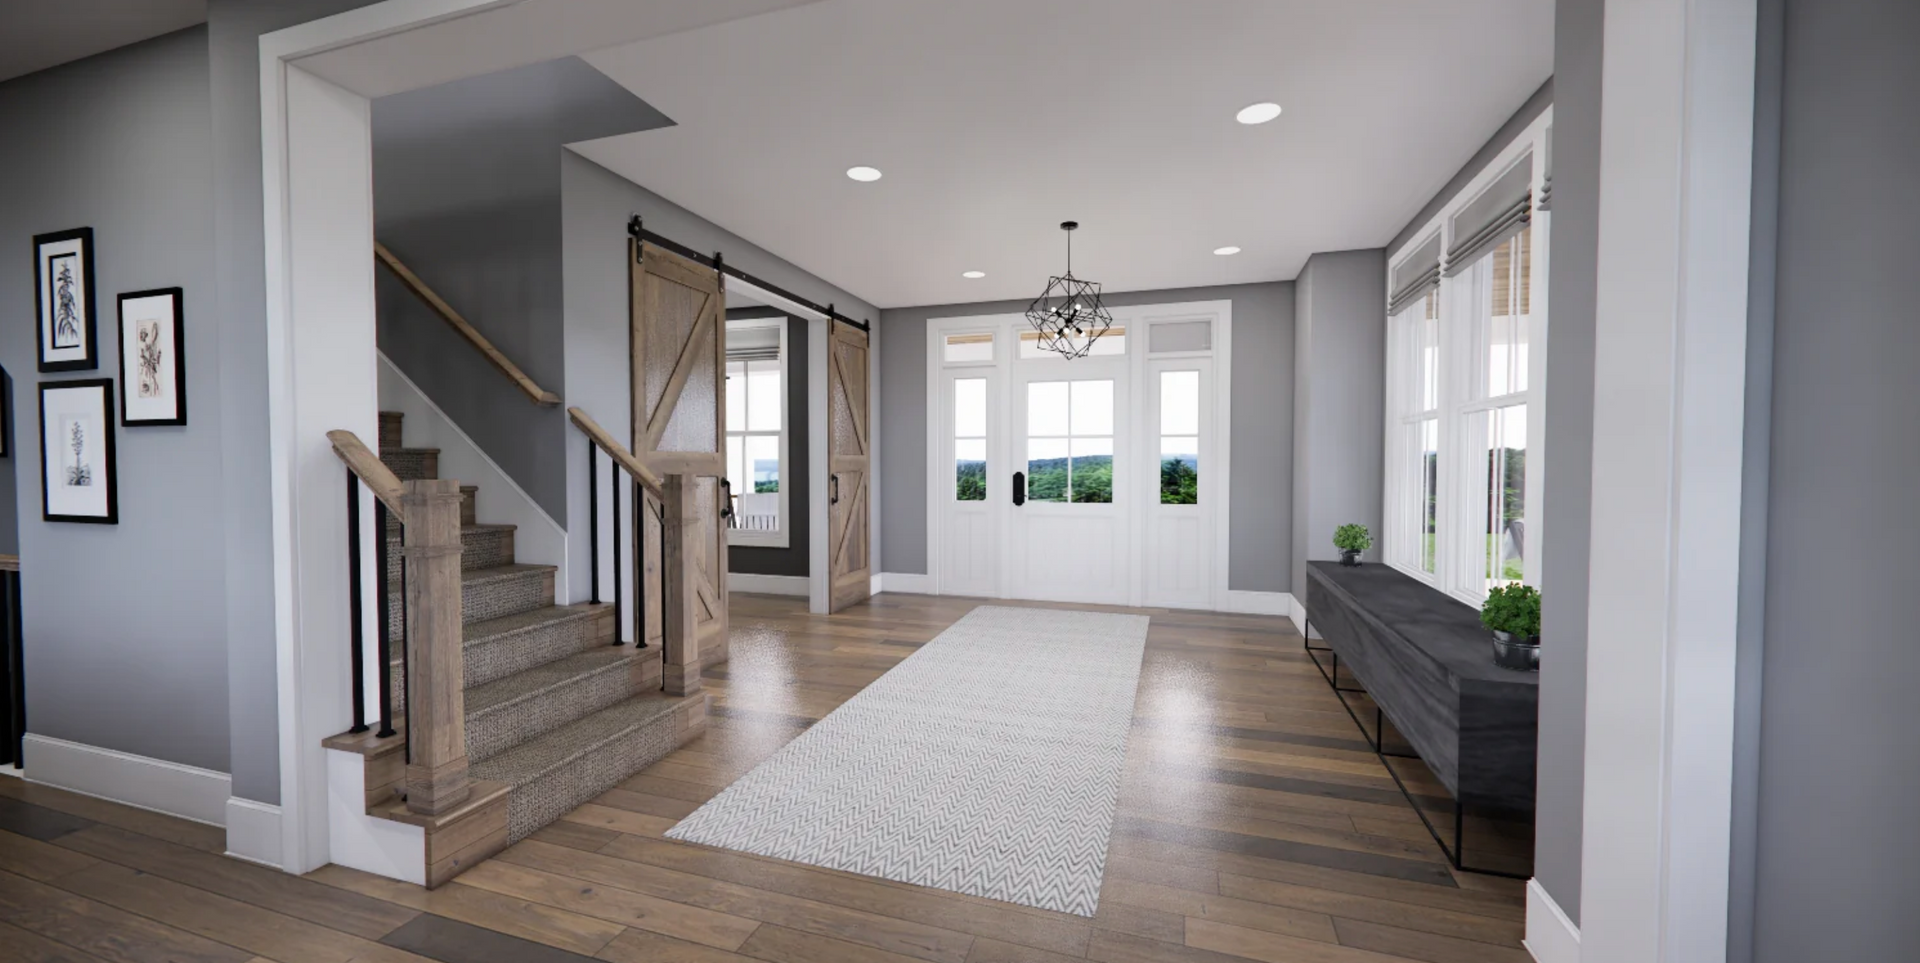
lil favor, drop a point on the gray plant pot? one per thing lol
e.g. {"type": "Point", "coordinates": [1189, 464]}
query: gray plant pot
{"type": "Point", "coordinates": [1349, 558]}
{"type": "Point", "coordinates": [1513, 652]}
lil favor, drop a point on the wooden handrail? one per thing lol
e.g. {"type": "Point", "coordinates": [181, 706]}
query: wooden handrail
{"type": "Point", "coordinates": [646, 476]}
{"type": "Point", "coordinates": [378, 478]}
{"type": "Point", "coordinates": [540, 395]}
{"type": "Point", "coordinates": [9, 563]}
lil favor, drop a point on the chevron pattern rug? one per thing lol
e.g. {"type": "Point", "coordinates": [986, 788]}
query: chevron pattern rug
{"type": "Point", "coordinates": [986, 763]}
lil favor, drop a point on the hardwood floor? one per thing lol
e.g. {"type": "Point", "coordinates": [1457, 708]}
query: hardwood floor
{"type": "Point", "coordinates": [1253, 825]}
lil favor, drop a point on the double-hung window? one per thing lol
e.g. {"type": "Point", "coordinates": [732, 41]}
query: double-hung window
{"type": "Point", "coordinates": [1465, 359]}
{"type": "Point", "coordinates": [757, 430]}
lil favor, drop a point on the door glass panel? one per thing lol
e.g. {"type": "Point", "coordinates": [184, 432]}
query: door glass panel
{"type": "Point", "coordinates": [1047, 409]}
{"type": "Point", "coordinates": [1092, 408]}
{"type": "Point", "coordinates": [1091, 473]}
{"type": "Point", "coordinates": [970, 439]}
{"type": "Point", "coordinates": [970, 408]}
{"type": "Point", "coordinates": [1046, 469]}
{"type": "Point", "coordinates": [1179, 470]}
{"type": "Point", "coordinates": [1179, 402]}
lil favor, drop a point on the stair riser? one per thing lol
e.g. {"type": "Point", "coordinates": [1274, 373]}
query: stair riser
{"type": "Point", "coordinates": [468, 514]}
{"type": "Point", "coordinates": [481, 548]}
{"type": "Point", "coordinates": [579, 780]}
{"type": "Point", "coordinates": [503, 727]}
{"type": "Point", "coordinates": [500, 657]}
{"type": "Point", "coordinates": [487, 600]}
{"type": "Point", "coordinates": [412, 464]}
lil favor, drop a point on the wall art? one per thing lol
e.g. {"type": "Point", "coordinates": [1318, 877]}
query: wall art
{"type": "Point", "coordinates": [78, 470]}
{"type": "Point", "coordinates": [63, 297]}
{"type": "Point", "coordinates": [153, 362]}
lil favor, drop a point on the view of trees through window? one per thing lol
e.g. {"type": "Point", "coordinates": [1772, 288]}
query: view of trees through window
{"type": "Point", "coordinates": [1070, 441]}
{"type": "Point", "coordinates": [1179, 437]}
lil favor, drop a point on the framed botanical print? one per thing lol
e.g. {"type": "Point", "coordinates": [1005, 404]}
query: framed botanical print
{"type": "Point", "coordinates": [78, 481]}
{"type": "Point", "coordinates": [153, 365]}
{"type": "Point", "coordinates": [63, 297]}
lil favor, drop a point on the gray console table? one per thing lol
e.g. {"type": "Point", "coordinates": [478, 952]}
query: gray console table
{"type": "Point", "coordinates": [1426, 662]}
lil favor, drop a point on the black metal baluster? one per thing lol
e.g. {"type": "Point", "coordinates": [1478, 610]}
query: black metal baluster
{"type": "Point", "coordinates": [639, 567]}
{"type": "Point", "coordinates": [356, 659]}
{"type": "Point", "coordinates": [16, 668]}
{"type": "Point", "coordinates": [406, 678]}
{"type": "Point", "coordinates": [593, 524]}
{"type": "Point", "coordinates": [384, 651]}
{"type": "Point", "coordinates": [613, 472]}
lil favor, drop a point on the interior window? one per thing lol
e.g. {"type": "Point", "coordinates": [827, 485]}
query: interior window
{"type": "Point", "coordinates": [756, 428]}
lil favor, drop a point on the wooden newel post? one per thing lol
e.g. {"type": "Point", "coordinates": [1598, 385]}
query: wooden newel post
{"type": "Point", "coordinates": [679, 609]}
{"type": "Point", "coordinates": [436, 673]}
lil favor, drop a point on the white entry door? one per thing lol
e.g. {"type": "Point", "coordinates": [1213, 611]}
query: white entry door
{"type": "Point", "coordinates": [970, 482]}
{"type": "Point", "coordinates": [1068, 530]}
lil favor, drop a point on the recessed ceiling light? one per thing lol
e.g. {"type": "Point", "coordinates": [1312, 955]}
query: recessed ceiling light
{"type": "Point", "coordinates": [864, 173]}
{"type": "Point", "coordinates": [1226, 251]}
{"type": "Point", "coordinates": [1258, 113]}
{"type": "Point", "coordinates": [973, 275]}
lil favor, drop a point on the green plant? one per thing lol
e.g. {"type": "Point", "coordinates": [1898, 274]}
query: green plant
{"type": "Point", "coordinates": [1352, 538]}
{"type": "Point", "coordinates": [1513, 609]}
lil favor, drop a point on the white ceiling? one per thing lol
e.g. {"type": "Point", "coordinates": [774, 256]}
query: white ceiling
{"type": "Point", "coordinates": [994, 120]}
{"type": "Point", "coordinates": [37, 34]}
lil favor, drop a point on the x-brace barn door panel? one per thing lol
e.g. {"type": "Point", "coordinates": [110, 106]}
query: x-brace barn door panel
{"type": "Point", "coordinates": [679, 338]}
{"type": "Point", "coordinates": [850, 531]}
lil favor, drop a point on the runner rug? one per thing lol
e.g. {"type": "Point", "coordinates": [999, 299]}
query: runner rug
{"type": "Point", "coordinates": [986, 763]}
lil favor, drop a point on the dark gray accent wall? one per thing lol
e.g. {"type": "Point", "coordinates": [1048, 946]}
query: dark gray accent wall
{"type": "Point", "coordinates": [125, 631]}
{"type": "Point", "coordinates": [1566, 500]}
{"type": "Point", "coordinates": [466, 188]}
{"type": "Point", "coordinates": [1263, 449]}
{"type": "Point", "coordinates": [238, 313]}
{"type": "Point", "coordinates": [796, 558]}
{"type": "Point", "coordinates": [1839, 863]}
{"type": "Point", "coordinates": [1535, 105]}
{"type": "Point", "coordinates": [1339, 402]}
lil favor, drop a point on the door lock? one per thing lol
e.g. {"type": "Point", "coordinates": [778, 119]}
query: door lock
{"type": "Point", "coordinates": [1019, 488]}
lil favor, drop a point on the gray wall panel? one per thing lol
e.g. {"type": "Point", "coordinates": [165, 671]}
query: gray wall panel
{"type": "Point", "coordinates": [124, 625]}
{"type": "Point", "coordinates": [1839, 865]}
{"type": "Point", "coordinates": [1262, 365]}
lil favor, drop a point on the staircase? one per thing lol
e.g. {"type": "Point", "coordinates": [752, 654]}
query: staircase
{"type": "Point", "coordinates": [554, 712]}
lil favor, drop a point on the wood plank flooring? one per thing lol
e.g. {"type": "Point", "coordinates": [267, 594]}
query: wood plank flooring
{"type": "Point", "coordinates": [1253, 825]}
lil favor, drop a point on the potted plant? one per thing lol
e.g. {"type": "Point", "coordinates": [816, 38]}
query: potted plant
{"type": "Point", "coordinates": [1513, 613]}
{"type": "Point", "coordinates": [1351, 540]}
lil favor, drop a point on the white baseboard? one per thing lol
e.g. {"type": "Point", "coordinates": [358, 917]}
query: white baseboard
{"type": "Point", "coordinates": [253, 831]}
{"type": "Point", "coordinates": [163, 787]}
{"type": "Point", "coordinates": [1551, 937]}
{"type": "Point", "coordinates": [769, 584]}
{"type": "Point", "coordinates": [1298, 613]}
{"type": "Point", "coordinates": [910, 583]}
{"type": "Point", "coordinates": [1241, 602]}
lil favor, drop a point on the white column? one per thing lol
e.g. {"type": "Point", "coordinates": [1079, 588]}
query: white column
{"type": "Point", "coordinates": [1669, 385]}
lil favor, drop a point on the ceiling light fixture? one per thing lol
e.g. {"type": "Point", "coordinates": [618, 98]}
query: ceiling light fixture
{"type": "Point", "coordinates": [1258, 113]}
{"type": "Point", "coordinates": [864, 174]}
{"type": "Point", "coordinates": [1068, 314]}
{"type": "Point", "coordinates": [973, 275]}
{"type": "Point", "coordinates": [1227, 251]}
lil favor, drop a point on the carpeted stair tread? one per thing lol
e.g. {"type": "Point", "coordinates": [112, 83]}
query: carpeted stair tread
{"type": "Point", "coordinates": [495, 630]}
{"type": "Point", "coordinates": [497, 648]}
{"type": "Point", "coordinates": [522, 707]}
{"type": "Point", "coordinates": [489, 593]}
{"type": "Point", "coordinates": [557, 772]}
{"type": "Point", "coordinates": [548, 678]}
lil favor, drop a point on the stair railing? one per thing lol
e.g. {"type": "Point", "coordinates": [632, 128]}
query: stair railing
{"type": "Point", "coordinates": [460, 325]}
{"type": "Point", "coordinates": [679, 522]}
{"type": "Point", "coordinates": [432, 666]}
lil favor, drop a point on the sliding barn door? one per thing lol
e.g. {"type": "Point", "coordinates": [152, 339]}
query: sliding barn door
{"type": "Point", "coordinates": [847, 488]}
{"type": "Point", "coordinates": [679, 422]}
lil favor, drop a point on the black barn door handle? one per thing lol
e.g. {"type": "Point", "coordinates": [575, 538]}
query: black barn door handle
{"type": "Point", "coordinates": [833, 490]}
{"type": "Point", "coordinates": [1019, 488]}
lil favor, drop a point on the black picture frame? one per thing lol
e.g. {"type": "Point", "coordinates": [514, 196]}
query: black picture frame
{"type": "Point", "coordinates": [45, 287]}
{"type": "Point", "coordinates": [131, 372]}
{"type": "Point", "coordinates": [110, 467]}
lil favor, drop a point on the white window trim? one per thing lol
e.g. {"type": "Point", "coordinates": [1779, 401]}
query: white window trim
{"type": "Point", "coordinates": [1455, 402]}
{"type": "Point", "coordinates": [781, 536]}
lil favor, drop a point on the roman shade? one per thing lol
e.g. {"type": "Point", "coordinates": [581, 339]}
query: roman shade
{"type": "Point", "coordinates": [1500, 212]}
{"type": "Point", "coordinates": [1415, 276]}
{"type": "Point", "coordinates": [756, 343]}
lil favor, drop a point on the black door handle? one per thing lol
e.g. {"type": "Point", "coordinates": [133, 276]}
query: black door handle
{"type": "Point", "coordinates": [1019, 488]}
{"type": "Point", "coordinates": [833, 490]}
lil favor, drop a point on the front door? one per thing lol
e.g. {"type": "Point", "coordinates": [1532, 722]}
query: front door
{"type": "Point", "coordinates": [1068, 526]}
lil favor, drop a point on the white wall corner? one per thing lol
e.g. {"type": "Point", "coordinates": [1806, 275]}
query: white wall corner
{"type": "Point", "coordinates": [1242, 602]}
{"type": "Point", "coordinates": [253, 831]}
{"type": "Point", "coordinates": [907, 583]}
{"type": "Point", "coordinates": [1297, 611]}
{"type": "Point", "coordinates": [798, 585]}
{"type": "Point", "coordinates": [1551, 937]}
{"type": "Point", "coordinates": [188, 792]}
{"type": "Point", "coordinates": [359, 841]}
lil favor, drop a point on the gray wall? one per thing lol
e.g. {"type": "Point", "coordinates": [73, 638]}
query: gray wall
{"type": "Point", "coordinates": [1339, 402]}
{"type": "Point", "coordinates": [1839, 867]}
{"type": "Point", "coordinates": [795, 559]}
{"type": "Point", "coordinates": [124, 625]}
{"type": "Point", "coordinates": [466, 193]}
{"type": "Point", "coordinates": [239, 305]}
{"type": "Point", "coordinates": [1566, 500]}
{"type": "Point", "coordinates": [596, 204]}
{"type": "Point", "coordinates": [1263, 449]}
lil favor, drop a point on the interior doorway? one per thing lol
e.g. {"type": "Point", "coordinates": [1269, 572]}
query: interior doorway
{"type": "Point", "coordinates": [1100, 479]}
